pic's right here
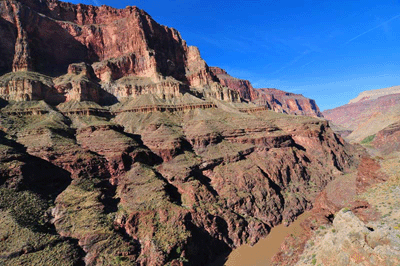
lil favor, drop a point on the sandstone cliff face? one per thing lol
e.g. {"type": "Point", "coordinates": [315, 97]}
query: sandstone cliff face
{"type": "Point", "coordinates": [70, 33]}
{"type": "Point", "coordinates": [274, 99]}
{"type": "Point", "coordinates": [51, 37]}
{"type": "Point", "coordinates": [287, 102]}
{"type": "Point", "coordinates": [242, 86]}
{"type": "Point", "coordinates": [24, 86]}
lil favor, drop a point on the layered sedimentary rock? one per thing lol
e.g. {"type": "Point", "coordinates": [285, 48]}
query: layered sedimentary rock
{"type": "Point", "coordinates": [54, 34]}
{"type": "Point", "coordinates": [277, 100]}
{"type": "Point", "coordinates": [24, 86]}
{"type": "Point", "coordinates": [79, 84]}
{"type": "Point", "coordinates": [242, 86]}
{"type": "Point", "coordinates": [387, 139]}
{"type": "Point", "coordinates": [375, 94]}
{"type": "Point", "coordinates": [287, 102]}
{"type": "Point", "coordinates": [365, 118]}
{"type": "Point", "coordinates": [49, 36]}
{"type": "Point", "coordinates": [178, 169]}
{"type": "Point", "coordinates": [27, 86]}
{"type": "Point", "coordinates": [151, 188]}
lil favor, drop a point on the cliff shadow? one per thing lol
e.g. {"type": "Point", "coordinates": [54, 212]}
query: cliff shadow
{"type": "Point", "coordinates": [3, 103]}
{"type": "Point", "coordinates": [52, 47]}
{"type": "Point", "coordinates": [202, 246]}
{"type": "Point", "coordinates": [8, 35]}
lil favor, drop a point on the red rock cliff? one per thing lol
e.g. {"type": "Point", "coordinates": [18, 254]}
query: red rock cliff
{"type": "Point", "coordinates": [277, 100]}
{"type": "Point", "coordinates": [50, 35]}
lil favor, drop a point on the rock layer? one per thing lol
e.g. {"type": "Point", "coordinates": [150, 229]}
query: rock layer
{"type": "Point", "coordinates": [277, 100]}
{"type": "Point", "coordinates": [52, 37]}
{"type": "Point", "coordinates": [365, 118]}
{"type": "Point", "coordinates": [151, 188]}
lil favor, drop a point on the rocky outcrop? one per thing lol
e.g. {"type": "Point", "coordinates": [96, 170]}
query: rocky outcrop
{"type": "Point", "coordinates": [53, 36]}
{"type": "Point", "coordinates": [179, 170]}
{"type": "Point", "coordinates": [132, 87]}
{"type": "Point", "coordinates": [29, 86]}
{"type": "Point", "coordinates": [24, 86]}
{"type": "Point", "coordinates": [286, 102]}
{"type": "Point", "coordinates": [80, 84]}
{"type": "Point", "coordinates": [387, 139]}
{"type": "Point", "coordinates": [244, 87]}
{"type": "Point", "coordinates": [22, 57]}
{"type": "Point", "coordinates": [350, 242]}
{"type": "Point", "coordinates": [277, 100]}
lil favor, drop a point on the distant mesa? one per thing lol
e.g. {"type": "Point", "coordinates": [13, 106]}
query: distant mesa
{"type": "Point", "coordinates": [367, 114]}
{"type": "Point", "coordinates": [375, 94]}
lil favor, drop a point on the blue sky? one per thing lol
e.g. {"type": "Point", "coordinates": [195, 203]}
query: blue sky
{"type": "Point", "coordinates": [329, 51]}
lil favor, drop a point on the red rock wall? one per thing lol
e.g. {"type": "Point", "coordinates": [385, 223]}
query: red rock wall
{"type": "Point", "coordinates": [69, 33]}
{"type": "Point", "coordinates": [277, 100]}
{"type": "Point", "coordinates": [290, 103]}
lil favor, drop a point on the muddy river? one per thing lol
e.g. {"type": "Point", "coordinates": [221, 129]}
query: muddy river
{"type": "Point", "coordinates": [261, 253]}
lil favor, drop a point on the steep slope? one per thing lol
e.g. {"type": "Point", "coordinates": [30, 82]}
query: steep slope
{"type": "Point", "coordinates": [368, 116]}
{"type": "Point", "coordinates": [60, 52]}
{"type": "Point", "coordinates": [289, 103]}
{"type": "Point", "coordinates": [277, 100]}
{"type": "Point", "coordinates": [46, 39]}
{"type": "Point", "coordinates": [152, 187]}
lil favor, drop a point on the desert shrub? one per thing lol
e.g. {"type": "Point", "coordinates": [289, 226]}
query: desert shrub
{"type": "Point", "coordinates": [368, 139]}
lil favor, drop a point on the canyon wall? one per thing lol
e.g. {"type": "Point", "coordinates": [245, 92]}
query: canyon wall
{"type": "Point", "coordinates": [276, 100]}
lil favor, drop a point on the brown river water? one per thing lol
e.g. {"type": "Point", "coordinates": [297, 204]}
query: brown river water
{"type": "Point", "coordinates": [261, 253]}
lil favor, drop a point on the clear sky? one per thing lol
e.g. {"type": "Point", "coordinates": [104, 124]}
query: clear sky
{"type": "Point", "coordinates": [326, 50]}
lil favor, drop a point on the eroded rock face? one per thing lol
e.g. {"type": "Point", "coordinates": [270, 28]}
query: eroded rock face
{"type": "Point", "coordinates": [277, 100]}
{"type": "Point", "coordinates": [287, 102]}
{"type": "Point", "coordinates": [242, 86]}
{"type": "Point", "coordinates": [387, 139]}
{"type": "Point", "coordinates": [366, 117]}
{"type": "Point", "coordinates": [162, 187]}
{"type": "Point", "coordinates": [51, 35]}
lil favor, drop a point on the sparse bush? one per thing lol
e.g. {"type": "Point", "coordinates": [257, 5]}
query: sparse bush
{"type": "Point", "coordinates": [346, 209]}
{"type": "Point", "coordinates": [368, 139]}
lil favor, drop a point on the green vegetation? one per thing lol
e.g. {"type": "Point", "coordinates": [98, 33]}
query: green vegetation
{"type": "Point", "coordinates": [368, 140]}
{"type": "Point", "coordinates": [24, 231]}
{"type": "Point", "coordinates": [346, 210]}
{"type": "Point", "coordinates": [314, 260]}
{"type": "Point", "coordinates": [25, 207]}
